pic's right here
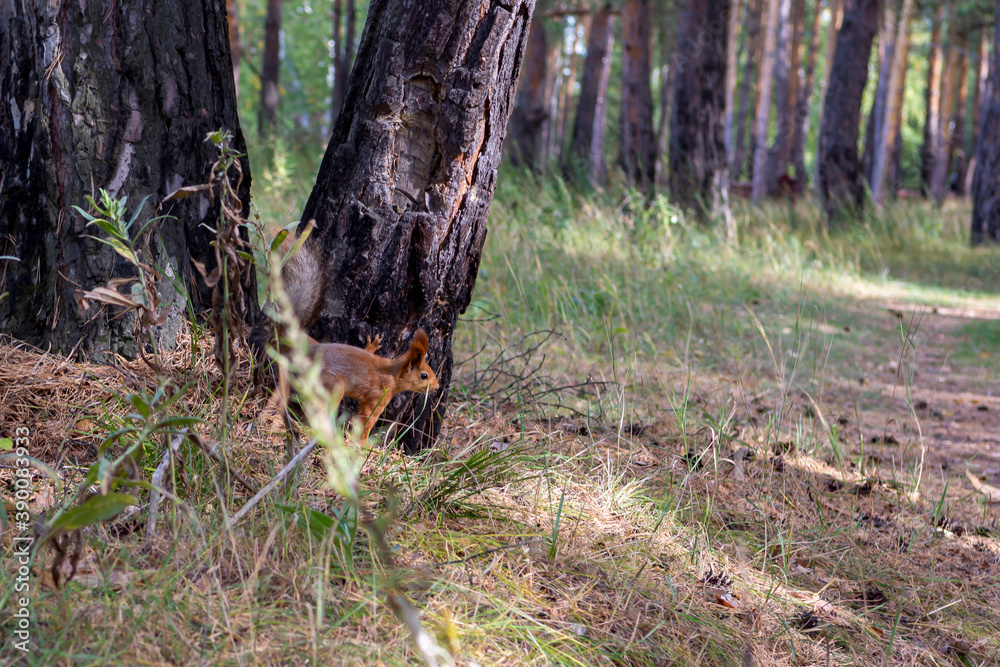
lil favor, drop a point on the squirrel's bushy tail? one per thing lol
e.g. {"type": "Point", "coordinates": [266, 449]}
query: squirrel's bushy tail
{"type": "Point", "coordinates": [306, 282]}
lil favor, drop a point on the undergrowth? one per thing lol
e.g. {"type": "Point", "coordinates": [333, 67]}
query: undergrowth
{"type": "Point", "coordinates": [661, 449]}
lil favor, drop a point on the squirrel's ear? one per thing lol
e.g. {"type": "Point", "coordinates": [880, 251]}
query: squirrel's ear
{"type": "Point", "coordinates": [418, 347]}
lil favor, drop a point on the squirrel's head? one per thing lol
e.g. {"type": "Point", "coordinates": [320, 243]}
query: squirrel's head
{"type": "Point", "coordinates": [416, 374]}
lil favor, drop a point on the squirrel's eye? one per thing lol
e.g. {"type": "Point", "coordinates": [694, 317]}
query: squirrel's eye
{"type": "Point", "coordinates": [423, 376]}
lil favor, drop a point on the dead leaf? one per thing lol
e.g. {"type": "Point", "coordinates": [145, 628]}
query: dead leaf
{"type": "Point", "coordinates": [188, 191]}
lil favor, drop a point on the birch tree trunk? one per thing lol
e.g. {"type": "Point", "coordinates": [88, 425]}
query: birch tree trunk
{"type": "Point", "coordinates": [96, 97]}
{"type": "Point", "coordinates": [405, 186]}
{"type": "Point", "coordinates": [894, 107]}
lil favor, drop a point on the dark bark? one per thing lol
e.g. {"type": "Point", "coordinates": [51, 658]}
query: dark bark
{"type": "Point", "coordinates": [524, 135]}
{"type": "Point", "coordinates": [746, 86]}
{"type": "Point", "coordinates": [270, 68]}
{"type": "Point", "coordinates": [839, 172]}
{"type": "Point", "coordinates": [985, 226]}
{"type": "Point", "coordinates": [405, 186]}
{"type": "Point", "coordinates": [586, 155]}
{"type": "Point", "coordinates": [637, 148]}
{"type": "Point", "coordinates": [957, 148]}
{"type": "Point", "coordinates": [981, 68]}
{"type": "Point", "coordinates": [699, 177]}
{"type": "Point", "coordinates": [158, 78]}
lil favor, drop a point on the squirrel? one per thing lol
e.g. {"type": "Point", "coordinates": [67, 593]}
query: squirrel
{"type": "Point", "coordinates": [357, 372]}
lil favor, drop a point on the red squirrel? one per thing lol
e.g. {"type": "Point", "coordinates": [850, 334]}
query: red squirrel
{"type": "Point", "coordinates": [358, 373]}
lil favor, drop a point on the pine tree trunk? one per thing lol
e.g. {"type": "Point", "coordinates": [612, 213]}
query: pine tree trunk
{"type": "Point", "coordinates": [932, 100]}
{"type": "Point", "coordinates": [985, 226]}
{"type": "Point", "coordinates": [876, 115]}
{"type": "Point", "coordinates": [549, 129]}
{"type": "Point", "coordinates": [982, 61]}
{"type": "Point", "coordinates": [763, 115]}
{"type": "Point", "coordinates": [699, 178]}
{"type": "Point", "coordinates": [269, 70]}
{"type": "Point", "coordinates": [805, 97]}
{"type": "Point", "coordinates": [942, 153]}
{"type": "Point", "coordinates": [894, 107]}
{"type": "Point", "coordinates": [405, 186]}
{"type": "Point", "coordinates": [586, 155]}
{"type": "Point", "coordinates": [836, 18]}
{"type": "Point", "coordinates": [794, 85]}
{"type": "Point", "coordinates": [132, 122]}
{"type": "Point", "coordinates": [524, 134]}
{"type": "Point", "coordinates": [666, 94]}
{"type": "Point", "coordinates": [732, 62]}
{"type": "Point", "coordinates": [839, 171]}
{"type": "Point", "coordinates": [752, 32]}
{"type": "Point", "coordinates": [637, 149]}
{"type": "Point", "coordinates": [567, 96]}
{"type": "Point", "coordinates": [782, 67]}
{"type": "Point", "coordinates": [957, 148]}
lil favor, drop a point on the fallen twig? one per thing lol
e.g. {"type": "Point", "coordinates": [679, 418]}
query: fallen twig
{"type": "Point", "coordinates": [274, 482]}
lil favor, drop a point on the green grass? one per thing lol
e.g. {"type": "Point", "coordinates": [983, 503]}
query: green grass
{"type": "Point", "coordinates": [686, 470]}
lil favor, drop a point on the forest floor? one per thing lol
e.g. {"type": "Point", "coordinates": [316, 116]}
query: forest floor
{"type": "Point", "coordinates": [659, 451]}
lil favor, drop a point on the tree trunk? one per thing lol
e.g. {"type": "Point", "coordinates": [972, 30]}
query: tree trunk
{"type": "Point", "coordinates": [763, 117]}
{"type": "Point", "coordinates": [549, 129]}
{"type": "Point", "coordinates": [752, 32]}
{"type": "Point", "coordinates": [782, 72]}
{"type": "Point", "coordinates": [805, 96]}
{"type": "Point", "coordinates": [133, 122]}
{"type": "Point", "coordinates": [942, 153]}
{"type": "Point", "coordinates": [894, 107]}
{"type": "Point", "coordinates": [567, 96]}
{"type": "Point", "coordinates": [637, 150]}
{"type": "Point", "coordinates": [339, 80]}
{"type": "Point", "coordinates": [790, 120]}
{"type": "Point", "coordinates": [586, 155]}
{"type": "Point", "coordinates": [839, 183]}
{"type": "Point", "coordinates": [405, 186]}
{"type": "Point", "coordinates": [524, 142]}
{"type": "Point", "coordinates": [982, 61]}
{"type": "Point", "coordinates": [985, 226]}
{"type": "Point", "coordinates": [235, 46]}
{"type": "Point", "coordinates": [932, 100]}
{"type": "Point", "coordinates": [270, 69]}
{"type": "Point", "coordinates": [699, 178]}
{"type": "Point", "coordinates": [667, 70]}
{"type": "Point", "coordinates": [876, 115]}
{"type": "Point", "coordinates": [732, 62]}
{"type": "Point", "coordinates": [957, 148]}
{"type": "Point", "coordinates": [836, 18]}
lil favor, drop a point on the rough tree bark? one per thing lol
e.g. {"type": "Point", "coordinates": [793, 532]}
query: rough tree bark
{"type": "Point", "coordinates": [524, 142]}
{"type": "Point", "coordinates": [586, 155]}
{"type": "Point", "coordinates": [836, 19]}
{"type": "Point", "coordinates": [932, 100]}
{"type": "Point", "coordinates": [839, 172]}
{"type": "Point", "coordinates": [763, 116]}
{"type": "Point", "coordinates": [119, 96]}
{"type": "Point", "coordinates": [270, 69]}
{"type": "Point", "coordinates": [886, 144]}
{"type": "Point", "coordinates": [637, 148]}
{"type": "Point", "coordinates": [752, 32]}
{"type": "Point", "coordinates": [403, 191]}
{"type": "Point", "coordinates": [699, 177]}
{"type": "Point", "coordinates": [985, 227]}
{"type": "Point", "coordinates": [790, 119]}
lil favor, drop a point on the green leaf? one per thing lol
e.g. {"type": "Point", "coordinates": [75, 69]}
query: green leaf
{"type": "Point", "coordinates": [94, 510]}
{"type": "Point", "coordinates": [109, 227]}
{"type": "Point", "coordinates": [171, 422]}
{"type": "Point", "coordinates": [344, 524]}
{"type": "Point", "coordinates": [139, 402]}
{"type": "Point", "coordinates": [6, 444]}
{"type": "Point", "coordinates": [279, 238]}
